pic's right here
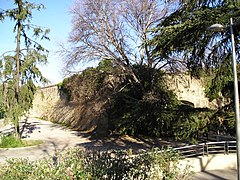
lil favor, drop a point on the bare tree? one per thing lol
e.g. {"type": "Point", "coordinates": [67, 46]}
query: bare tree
{"type": "Point", "coordinates": [113, 29]}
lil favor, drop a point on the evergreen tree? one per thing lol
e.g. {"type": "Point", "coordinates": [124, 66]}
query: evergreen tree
{"type": "Point", "coordinates": [19, 67]}
{"type": "Point", "coordinates": [184, 35]}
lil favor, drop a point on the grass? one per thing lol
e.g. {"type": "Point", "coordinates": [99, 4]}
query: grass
{"type": "Point", "coordinates": [12, 142]}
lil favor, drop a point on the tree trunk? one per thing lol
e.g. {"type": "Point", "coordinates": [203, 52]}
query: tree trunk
{"type": "Point", "coordinates": [17, 129]}
{"type": "Point", "coordinates": [17, 63]}
{"type": "Point", "coordinates": [17, 73]}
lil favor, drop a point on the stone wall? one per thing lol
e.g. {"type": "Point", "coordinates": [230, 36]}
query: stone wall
{"type": "Point", "coordinates": [186, 88]}
{"type": "Point", "coordinates": [50, 104]}
{"type": "Point", "coordinates": [192, 90]}
{"type": "Point", "coordinates": [189, 89]}
{"type": "Point", "coordinates": [45, 100]}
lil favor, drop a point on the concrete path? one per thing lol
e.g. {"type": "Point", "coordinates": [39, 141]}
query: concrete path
{"type": "Point", "coordinates": [55, 137]}
{"type": "Point", "coordinates": [216, 175]}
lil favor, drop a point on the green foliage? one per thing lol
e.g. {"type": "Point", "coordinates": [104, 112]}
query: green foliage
{"type": "Point", "coordinates": [12, 112]}
{"type": "Point", "coordinates": [183, 34]}
{"type": "Point", "coordinates": [144, 110]}
{"type": "Point", "coordinates": [167, 161]}
{"type": "Point", "coordinates": [220, 81]}
{"type": "Point", "coordinates": [77, 164]}
{"type": "Point", "coordinates": [18, 68]}
{"type": "Point", "coordinates": [190, 123]}
{"type": "Point", "coordinates": [105, 65]}
{"type": "Point", "coordinates": [11, 141]}
{"type": "Point", "coordinates": [148, 108]}
{"type": "Point", "coordinates": [91, 82]}
{"type": "Point", "coordinates": [84, 85]}
{"type": "Point", "coordinates": [223, 120]}
{"type": "Point", "coordinates": [65, 87]}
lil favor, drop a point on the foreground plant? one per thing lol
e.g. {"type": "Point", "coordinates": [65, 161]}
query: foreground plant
{"type": "Point", "coordinates": [76, 163]}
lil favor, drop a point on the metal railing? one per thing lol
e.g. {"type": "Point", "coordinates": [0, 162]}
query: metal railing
{"type": "Point", "coordinates": [203, 149]}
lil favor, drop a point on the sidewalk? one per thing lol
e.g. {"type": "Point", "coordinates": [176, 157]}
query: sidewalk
{"type": "Point", "coordinates": [216, 175]}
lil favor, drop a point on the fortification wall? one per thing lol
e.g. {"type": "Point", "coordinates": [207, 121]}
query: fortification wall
{"type": "Point", "coordinates": [45, 100]}
{"type": "Point", "coordinates": [192, 90]}
{"type": "Point", "coordinates": [50, 104]}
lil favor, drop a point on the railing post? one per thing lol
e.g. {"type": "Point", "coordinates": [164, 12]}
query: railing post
{"type": "Point", "coordinates": [203, 149]}
{"type": "Point", "coordinates": [207, 148]}
{"type": "Point", "coordinates": [227, 147]}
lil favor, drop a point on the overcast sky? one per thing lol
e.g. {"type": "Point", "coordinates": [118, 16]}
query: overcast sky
{"type": "Point", "coordinates": [55, 17]}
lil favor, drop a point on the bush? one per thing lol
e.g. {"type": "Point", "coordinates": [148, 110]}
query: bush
{"type": "Point", "coordinates": [78, 164]}
{"type": "Point", "coordinates": [117, 104]}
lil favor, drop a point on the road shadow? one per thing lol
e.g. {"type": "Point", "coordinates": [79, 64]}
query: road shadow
{"type": "Point", "coordinates": [124, 142]}
{"type": "Point", "coordinates": [52, 149]}
{"type": "Point", "coordinates": [25, 127]}
{"type": "Point", "coordinates": [216, 174]}
{"type": "Point", "coordinates": [28, 127]}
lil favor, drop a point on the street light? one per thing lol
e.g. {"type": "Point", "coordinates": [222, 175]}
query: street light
{"type": "Point", "coordinates": [217, 28]}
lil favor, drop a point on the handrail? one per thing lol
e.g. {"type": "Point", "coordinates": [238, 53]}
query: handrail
{"type": "Point", "coordinates": [203, 149]}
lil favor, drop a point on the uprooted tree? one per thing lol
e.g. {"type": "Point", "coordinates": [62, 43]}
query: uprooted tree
{"type": "Point", "coordinates": [119, 31]}
{"type": "Point", "coordinates": [19, 69]}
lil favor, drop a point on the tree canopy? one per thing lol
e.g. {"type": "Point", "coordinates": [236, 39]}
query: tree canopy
{"type": "Point", "coordinates": [184, 36]}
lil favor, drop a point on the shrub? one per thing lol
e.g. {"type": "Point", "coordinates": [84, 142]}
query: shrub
{"type": "Point", "coordinates": [190, 123]}
{"type": "Point", "coordinates": [75, 163]}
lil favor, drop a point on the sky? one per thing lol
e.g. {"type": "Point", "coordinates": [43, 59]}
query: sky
{"type": "Point", "coordinates": [57, 18]}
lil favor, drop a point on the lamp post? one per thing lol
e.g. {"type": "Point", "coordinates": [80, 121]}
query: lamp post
{"type": "Point", "coordinates": [217, 28]}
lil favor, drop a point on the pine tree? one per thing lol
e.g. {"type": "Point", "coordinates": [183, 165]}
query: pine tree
{"type": "Point", "coordinates": [183, 36]}
{"type": "Point", "coordinates": [19, 69]}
